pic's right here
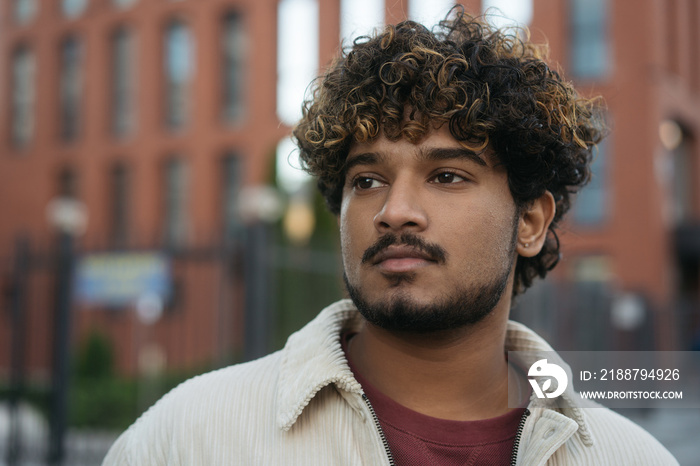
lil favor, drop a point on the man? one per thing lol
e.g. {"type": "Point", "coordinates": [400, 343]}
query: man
{"type": "Point", "coordinates": [449, 160]}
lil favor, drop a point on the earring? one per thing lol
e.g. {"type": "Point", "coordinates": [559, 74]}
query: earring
{"type": "Point", "coordinates": [527, 245]}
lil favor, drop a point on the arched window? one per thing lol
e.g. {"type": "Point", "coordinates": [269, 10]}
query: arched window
{"type": "Point", "coordinates": [231, 181]}
{"type": "Point", "coordinates": [123, 3]}
{"type": "Point", "coordinates": [234, 47]}
{"type": "Point", "coordinates": [178, 62]}
{"type": "Point", "coordinates": [589, 46]}
{"type": "Point", "coordinates": [71, 88]}
{"type": "Point", "coordinates": [502, 13]}
{"type": "Point", "coordinates": [23, 95]}
{"type": "Point", "coordinates": [24, 11]}
{"type": "Point", "coordinates": [68, 183]}
{"type": "Point", "coordinates": [592, 204]}
{"type": "Point", "coordinates": [119, 205]}
{"type": "Point", "coordinates": [123, 73]}
{"type": "Point", "coordinates": [429, 12]}
{"type": "Point", "coordinates": [358, 17]}
{"type": "Point", "coordinates": [297, 55]}
{"type": "Point", "coordinates": [73, 8]}
{"type": "Point", "coordinates": [175, 220]}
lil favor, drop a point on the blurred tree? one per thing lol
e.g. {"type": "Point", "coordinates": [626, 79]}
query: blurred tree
{"type": "Point", "coordinates": [95, 357]}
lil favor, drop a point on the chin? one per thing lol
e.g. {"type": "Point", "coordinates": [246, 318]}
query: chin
{"type": "Point", "coordinates": [400, 310]}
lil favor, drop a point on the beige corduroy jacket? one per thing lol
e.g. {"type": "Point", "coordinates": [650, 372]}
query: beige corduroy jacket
{"type": "Point", "coordinates": [302, 406]}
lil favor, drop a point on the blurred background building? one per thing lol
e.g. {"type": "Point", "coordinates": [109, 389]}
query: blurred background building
{"type": "Point", "coordinates": [151, 224]}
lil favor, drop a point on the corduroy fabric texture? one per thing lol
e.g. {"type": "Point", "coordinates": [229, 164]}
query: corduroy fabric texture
{"type": "Point", "coordinates": [303, 406]}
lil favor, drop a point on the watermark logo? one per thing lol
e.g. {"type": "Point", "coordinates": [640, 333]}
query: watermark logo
{"type": "Point", "coordinates": [542, 368]}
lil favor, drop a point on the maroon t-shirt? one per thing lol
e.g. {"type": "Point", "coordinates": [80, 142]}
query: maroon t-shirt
{"type": "Point", "coordinates": [417, 439]}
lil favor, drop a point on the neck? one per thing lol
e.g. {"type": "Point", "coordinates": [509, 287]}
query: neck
{"type": "Point", "coordinates": [460, 374]}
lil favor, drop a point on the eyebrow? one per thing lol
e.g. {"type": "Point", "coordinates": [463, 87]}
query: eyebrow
{"type": "Point", "coordinates": [447, 153]}
{"type": "Point", "coordinates": [365, 158]}
{"type": "Point", "coordinates": [437, 153]}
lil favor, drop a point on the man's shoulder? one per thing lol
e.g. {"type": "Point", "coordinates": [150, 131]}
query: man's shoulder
{"type": "Point", "coordinates": [605, 422]}
{"type": "Point", "coordinates": [260, 377]}
{"type": "Point", "coordinates": [615, 436]}
{"type": "Point", "coordinates": [257, 377]}
{"type": "Point", "coordinates": [218, 403]}
{"type": "Point", "coordinates": [260, 398]}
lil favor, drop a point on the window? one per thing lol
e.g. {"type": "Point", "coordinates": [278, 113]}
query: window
{"type": "Point", "coordinates": [175, 203]}
{"type": "Point", "coordinates": [178, 71]}
{"type": "Point", "coordinates": [507, 13]}
{"type": "Point", "coordinates": [68, 183]}
{"type": "Point", "coordinates": [119, 205]}
{"type": "Point", "coordinates": [23, 96]}
{"type": "Point", "coordinates": [429, 12]}
{"type": "Point", "coordinates": [70, 88]}
{"type": "Point", "coordinates": [297, 29]}
{"type": "Point", "coordinates": [123, 3]}
{"type": "Point", "coordinates": [589, 38]}
{"type": "Point", "coordinates": [231, 184]}
{"type": "Point", "coordinates": [73, 8]}
{"type": "Point", "coordinates": [591, 204]}
{"type": "Point", "coordinates": [359, 17]}
{"type": "Point", "coordinates": [122, 82]}
{"type": "Point", "coordinates": [24, 11]}
{"type": "Point", "coordinates": [234, 46]}
{"type": "Point", "coordinates": [672, 36]}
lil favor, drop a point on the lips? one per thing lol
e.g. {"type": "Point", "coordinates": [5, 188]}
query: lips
{"type": "Point", "coordinates": [402, 259]}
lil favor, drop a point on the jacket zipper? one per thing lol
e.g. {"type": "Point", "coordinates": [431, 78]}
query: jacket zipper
{"type": "Point", "coordinates": [381, 431]}
{"type": "Point", "coordinates": [516, 442]}
{"type": "Point", "coordinates": [518, 434]}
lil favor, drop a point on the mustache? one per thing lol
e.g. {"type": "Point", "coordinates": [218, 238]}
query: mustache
{"type": "Point", "coordinates": [433, 251]}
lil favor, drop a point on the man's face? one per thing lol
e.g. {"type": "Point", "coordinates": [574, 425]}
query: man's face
{"type": "Point", "coordinates": [428, 233]}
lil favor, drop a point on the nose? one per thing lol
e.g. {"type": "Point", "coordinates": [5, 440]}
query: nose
{"type": "Point", "coordinates": [402, 210]}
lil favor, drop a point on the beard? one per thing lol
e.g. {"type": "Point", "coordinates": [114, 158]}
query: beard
{"type": "Point", "coordinates": [465, 306]}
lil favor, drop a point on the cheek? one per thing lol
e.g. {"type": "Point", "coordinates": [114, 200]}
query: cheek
{"type": "Point", "coordinates": [343, 227]}
{"type": "Point", "coordinates": [480, 237]}
{"type": "Point", "coordinates": [348, 232]}
{"type": "Point", "coordinates": [356, 235]}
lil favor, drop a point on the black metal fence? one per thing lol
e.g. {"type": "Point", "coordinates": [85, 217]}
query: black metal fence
{"type": "Point", "coordinates": [266, 290]}
{"type": "Point", "coordinates": [259, 290]}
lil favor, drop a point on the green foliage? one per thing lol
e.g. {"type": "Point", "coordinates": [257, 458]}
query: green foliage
{"type": "Point", "coordinates": [104, 403]}
{"type": "Point", "coordinates": [101, 400]}
{"type": "Point", "coordinates": [95, 358]}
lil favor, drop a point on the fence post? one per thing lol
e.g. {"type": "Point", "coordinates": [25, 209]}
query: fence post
{"type": "Point", "coordinates": [257, 298]}
{"type": "Point", "coordinates": [61, 347]}
{"type": "Point", "coordinates": [17, 369]}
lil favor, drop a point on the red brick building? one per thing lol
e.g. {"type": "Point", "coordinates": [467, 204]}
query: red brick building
{"type": "Point", "coordinates": [636, 227]}
{"type": "Point", "coordinates": [155, 113]}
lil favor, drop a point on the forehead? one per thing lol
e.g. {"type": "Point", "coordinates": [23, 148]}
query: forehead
{"type": "Point", "coordinates": [436, 144]}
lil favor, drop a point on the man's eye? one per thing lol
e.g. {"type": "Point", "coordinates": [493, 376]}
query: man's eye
{"type": "Point", "coordinates": [447, 177]}
{"type": "Point", "coordinates": [365, 183]}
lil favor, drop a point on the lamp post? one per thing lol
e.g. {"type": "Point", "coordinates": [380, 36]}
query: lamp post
{"type": "Point", "coordinates": [69, 217]}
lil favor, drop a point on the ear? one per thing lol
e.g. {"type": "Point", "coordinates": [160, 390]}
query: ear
{"type": "Point", "coordinates": [534, 223]}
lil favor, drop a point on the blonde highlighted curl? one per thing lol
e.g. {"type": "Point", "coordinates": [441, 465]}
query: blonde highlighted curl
{"type": "Point", "coordinates": [491, 87]}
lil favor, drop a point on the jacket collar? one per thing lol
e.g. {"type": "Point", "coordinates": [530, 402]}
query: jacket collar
{"type": "Point", "coordinates": [313, 358]}
{"type": "Point", "coordinates": [533, 347]}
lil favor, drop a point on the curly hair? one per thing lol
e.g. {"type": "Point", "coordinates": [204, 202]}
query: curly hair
{"type": "Point", "coordinates": [491, 87]}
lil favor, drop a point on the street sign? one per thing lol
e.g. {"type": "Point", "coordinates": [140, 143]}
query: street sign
{"type": "Point", "coordinates": [121, 279]}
